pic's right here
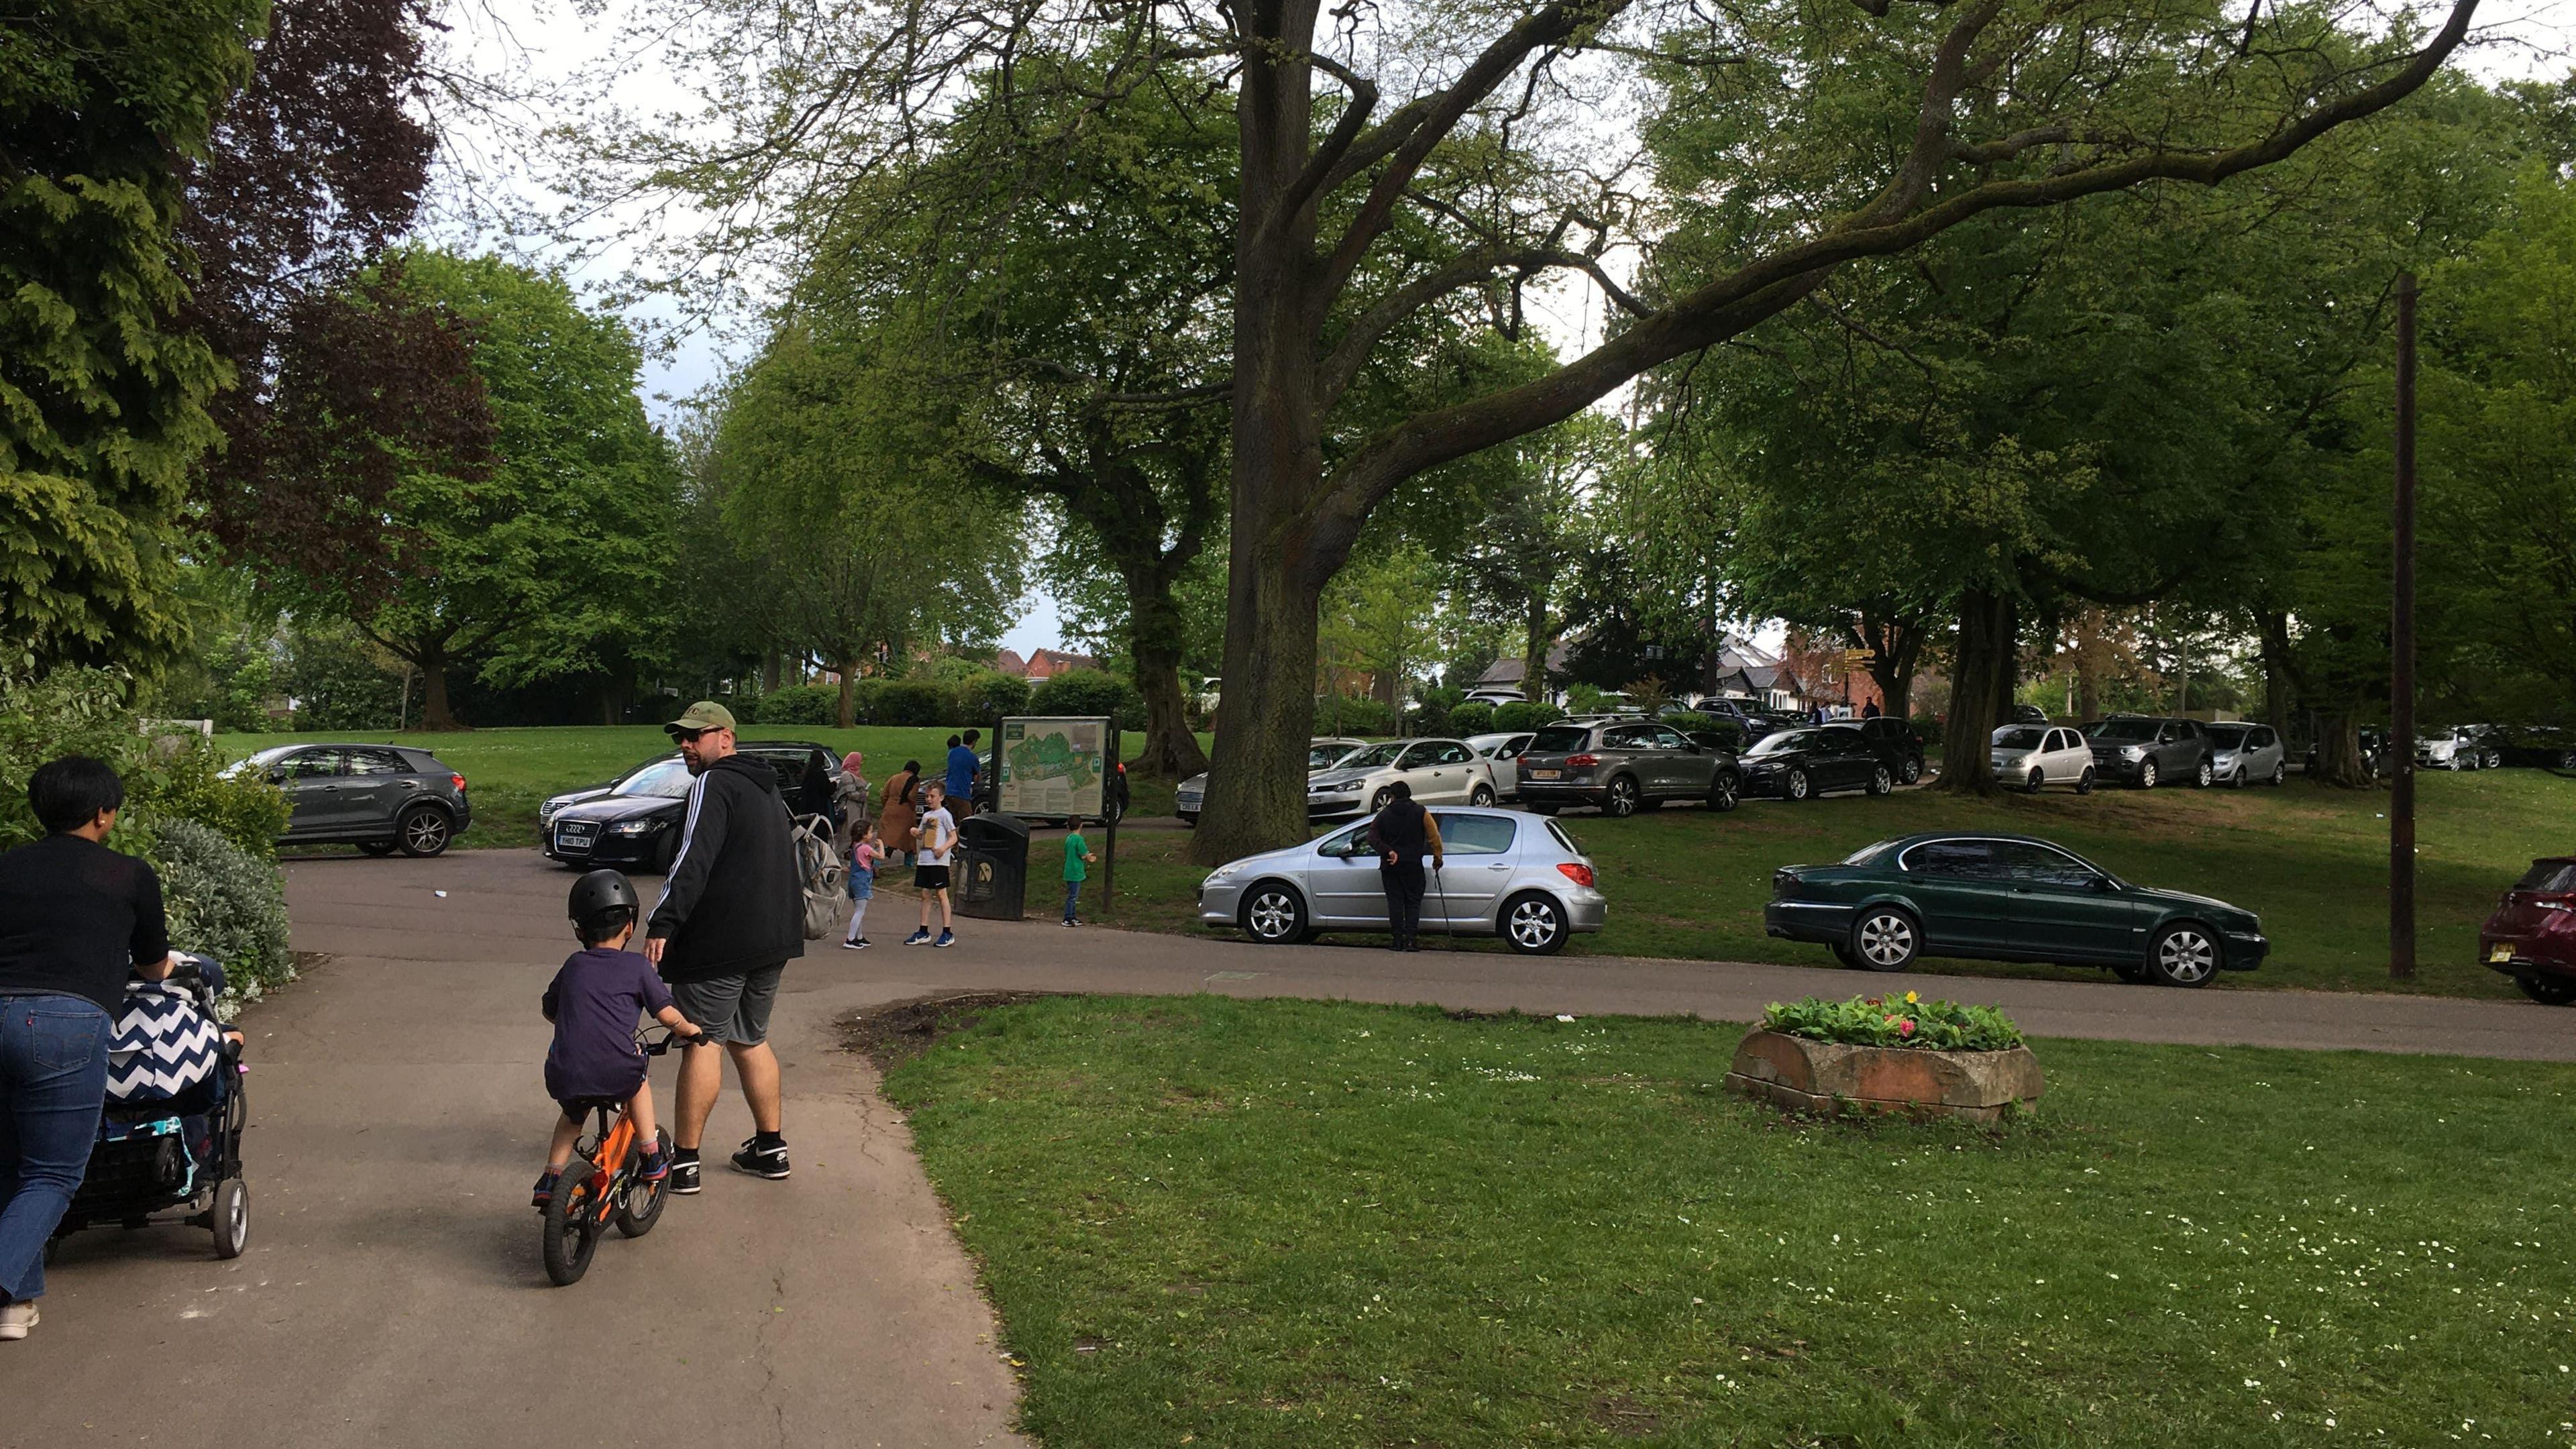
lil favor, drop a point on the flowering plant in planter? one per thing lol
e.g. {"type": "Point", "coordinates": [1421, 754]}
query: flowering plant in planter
{"type": "Point", "coordinates": [1895, 1021]}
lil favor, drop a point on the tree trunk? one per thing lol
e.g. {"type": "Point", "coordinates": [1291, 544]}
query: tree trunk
{"type": "Point", "coordinates": [1257, 784]}
{"type": "Point", "coordinates": [769, 672]}
{"type": "Point", "coordinates": [612, 708]}
{"type": "Point", "coordinates": [2339, 760]}
{"type": "Point", "coordinates": [1979, 677]}
{"type": "Point", "coordinates": [1534, 652]}
{"type": "Point", "coordinates": [1154, 636]}
{"type": "Point", "coordinates": [435, 712]}
{"type": "Point", "coordinates": [849, 712]}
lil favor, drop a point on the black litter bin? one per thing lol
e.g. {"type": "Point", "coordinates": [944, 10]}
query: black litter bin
{"type": "Point", "coordinates": [992, 875]}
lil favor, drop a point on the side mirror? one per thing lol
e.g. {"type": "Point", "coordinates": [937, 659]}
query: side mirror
{"type": "Point", "coordinates": [2105, 884]}
{"type": "Point", "coordinates": [277, 777]}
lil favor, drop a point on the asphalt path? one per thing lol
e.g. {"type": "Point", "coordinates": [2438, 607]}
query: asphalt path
{"type": "Point", "coordinates": [392, 1294]}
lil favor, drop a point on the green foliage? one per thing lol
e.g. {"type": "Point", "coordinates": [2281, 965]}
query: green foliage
{"type": "Point", "coordinates": [167, 777]}
{"type": "Point", "coordinates": [1090, 692]}
{"type": "Point", "coordinates": [224, 902]}
{"type": "Point", "coordinates": [103, 392]}
{"type": "Point", "coordinates": [1689, 720]}
{"type": "Point", "coordinates": [989, 694]}
{"type": "Point", "coordinates": [1475, 717]}
{"type": "Point", "coordinates": [337, 682]}
{"type": "Point", "coordinates": [1526, 714]}
{"type": "Point", "coordinates": [1340, 714]}
{"type": "Point", "coordinates": [1894, 1021]}
{"type": "Point", "coordinates": [914, 702]}
{"type": "Point", "coordinates": [806, 704]}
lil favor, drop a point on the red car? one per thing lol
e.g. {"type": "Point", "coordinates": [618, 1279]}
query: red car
{"type": "Point", "coordinates": [2532, 935]}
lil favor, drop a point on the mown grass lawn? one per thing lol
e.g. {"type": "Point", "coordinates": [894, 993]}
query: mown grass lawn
{"type": "Point", "coordinates": [2313, 861]}
{"type": "Point", "coordinates": [1304, 1224]}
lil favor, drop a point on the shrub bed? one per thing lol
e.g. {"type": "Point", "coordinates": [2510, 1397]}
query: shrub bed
{"type": "Point", "coordinates": [1893, 1021]}
{"type": "Point", "coordinates": [225, 903]}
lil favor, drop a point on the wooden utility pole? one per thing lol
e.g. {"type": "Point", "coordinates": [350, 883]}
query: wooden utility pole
{"type": "Point", "coordinates": [2401, 670]}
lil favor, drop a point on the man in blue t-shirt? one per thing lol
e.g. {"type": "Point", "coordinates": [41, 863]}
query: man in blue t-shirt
{"type": "Point", "coordinates": [962, 764]}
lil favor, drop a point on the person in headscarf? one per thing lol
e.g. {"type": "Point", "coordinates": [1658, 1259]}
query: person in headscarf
{"type": "Point", "coordinates": [851, 798]}
{"type": "Point", "coordinates": [895, 812]}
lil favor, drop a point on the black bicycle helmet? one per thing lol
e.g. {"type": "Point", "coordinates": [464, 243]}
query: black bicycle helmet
{"type": "Point", "coordinates": [601, 902]}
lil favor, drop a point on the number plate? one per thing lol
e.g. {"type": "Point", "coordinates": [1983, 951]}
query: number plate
{"type": "Point", "coordinates": [1546, 774]}
{"type": "Point", "coordinates": [576, 834]}
{"type": "Point", "coordinates": [2501, 951]}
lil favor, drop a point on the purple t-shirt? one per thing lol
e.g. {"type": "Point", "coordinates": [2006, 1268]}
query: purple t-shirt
{"type": "Point", "coordinates": [595, 1000]}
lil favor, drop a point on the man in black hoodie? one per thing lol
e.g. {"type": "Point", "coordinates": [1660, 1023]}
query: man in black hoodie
{"type": "Point", "coordinates": [729, 919]}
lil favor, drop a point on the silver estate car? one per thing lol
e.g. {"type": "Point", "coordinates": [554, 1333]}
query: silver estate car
{"type": "Point", "coordinates": [2248, 754]}
{"type": "Point", "coordinates": [1321, 754]}
{"type": "Point", "coordinates": [1440, 772]}
{"type": "Point", "coordinates": [1517, 876]}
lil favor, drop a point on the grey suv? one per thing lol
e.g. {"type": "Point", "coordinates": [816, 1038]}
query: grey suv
{"type": "Point", "coordinates": [1623, 766]}
{"type": "Point", "coordinates": [382, 798]}
{"type": "Point", "coordinates": [2146, 751]}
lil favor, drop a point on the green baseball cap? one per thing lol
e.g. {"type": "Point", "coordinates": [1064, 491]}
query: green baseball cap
{"type": "Point", "coordinates": [706, 714]}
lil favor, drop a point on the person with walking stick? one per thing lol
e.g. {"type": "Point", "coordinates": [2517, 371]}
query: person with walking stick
{"type": "Point", "coordinates": [1402, 834]}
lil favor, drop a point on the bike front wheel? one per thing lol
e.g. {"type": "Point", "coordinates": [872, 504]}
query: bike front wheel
{"type": "Point", "coordinates": [572, 1223]}
{"type": "Point", "coordinates": [643, 1205]}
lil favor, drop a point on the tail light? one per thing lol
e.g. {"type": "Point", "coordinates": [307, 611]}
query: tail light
{"type": "Point", "coordinates": [458, 781]}
{"type": "Point", "coordinates": [1575, 871]}
{"type": "Point", "coordinates": [1583, 762]}
{"type": "Point", "coordinates": [1784, 881]}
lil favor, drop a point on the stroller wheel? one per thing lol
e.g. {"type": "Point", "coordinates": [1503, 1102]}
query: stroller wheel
{"type": "Point", "coordinates": [232, 1217]}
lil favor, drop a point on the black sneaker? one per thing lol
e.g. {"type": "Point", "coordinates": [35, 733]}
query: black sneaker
{"type": "Point", "coordinates": [759, 1161]}
{"type": "Point", "coordinates": [684, 1173]}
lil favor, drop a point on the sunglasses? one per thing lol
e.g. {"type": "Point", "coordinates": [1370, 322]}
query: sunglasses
{"type": "Point", "coordinates": [687, 737]}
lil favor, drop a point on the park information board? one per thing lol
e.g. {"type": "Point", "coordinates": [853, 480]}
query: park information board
{"type": "Point", "coordinates": [1053, 767]}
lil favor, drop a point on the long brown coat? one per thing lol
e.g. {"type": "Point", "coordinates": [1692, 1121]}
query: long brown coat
{"type": "Point", "coordinates": [894, 811]}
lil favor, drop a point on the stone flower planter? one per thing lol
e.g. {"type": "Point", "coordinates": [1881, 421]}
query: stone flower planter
{"type": "Point", "coordinates": [1816, 1076]}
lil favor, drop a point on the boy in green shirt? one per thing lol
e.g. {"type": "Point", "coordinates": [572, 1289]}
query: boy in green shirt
{"type": "Point", "coordinates": [1077, 862]}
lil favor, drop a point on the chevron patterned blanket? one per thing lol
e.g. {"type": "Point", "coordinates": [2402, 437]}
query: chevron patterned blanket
{"type": "Point", "coordinates": [163, 1045]}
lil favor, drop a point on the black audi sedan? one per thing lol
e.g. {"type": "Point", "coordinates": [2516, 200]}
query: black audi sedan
{"type": "Point", "coordinates": [2006, 898]}
{"type": "Point", "coordinates": [633, 821]}
{"type": "Point", "coordinates": [1801, 764]}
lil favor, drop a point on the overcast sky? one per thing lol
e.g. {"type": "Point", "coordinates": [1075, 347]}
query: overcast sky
{"type": "Point", "coordinates": [552, 40]}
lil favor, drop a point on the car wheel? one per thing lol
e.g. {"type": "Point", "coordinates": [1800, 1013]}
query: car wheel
{"type": "Point", "coordinates": [1533, 924]}
{"type": "Point", "coordinates": [1913, 769]}
{"type": "Point", "coordinates": [2454, 767]}
{"type": "Point", "coordinates": [2084, 782]}
{"type": "Point", "coordinates": [1797, 787]}
{"type": "Point", "coordinates": [1379, 801]}
{"type": "Point", "coordinates": [2548, 990]}
{"type": "Point", "coordinates": [422, 832]}
{"type": "Point", "coordinates": [1191, 819]}
{"type": "Point", "coordinates": [2567, 760]}
{"type": "Point", "coordinates": [2038, 781]}
{"type": "Point", "coordinates": [1273, 915]}
{"type": "Point", "coordinates": [2183, 955]}
{"type": "Point", "coordinates": [2203, 776]}
{"type": "Point", "coordinates": [1884, 939]}
{"type": "Point", "coordinates": [377, 848]}
{"type": "Point", "coordinates": [2280, 775]}
{"type": "Point", "coordinates": [2492, 759]}
{"type": "Point", "coordinates": [2147, 775]}
{"type": "Point", "coordinates": [1481, 796]}
{"type": "Point", "coordinates": [1620, 800]}
{"type": "Point", "coordinates": [1883, 783]}
{"type": "Point", "coordinates": [1725, 792]}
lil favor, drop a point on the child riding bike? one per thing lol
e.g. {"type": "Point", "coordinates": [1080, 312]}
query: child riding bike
{"type": "Point", "coordinates": [593, 1003]}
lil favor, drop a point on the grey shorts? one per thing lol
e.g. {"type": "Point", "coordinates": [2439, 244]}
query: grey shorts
{"type": "Point", "coordinates": [732, 1008]}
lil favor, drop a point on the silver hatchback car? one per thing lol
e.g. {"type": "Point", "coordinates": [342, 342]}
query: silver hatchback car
{"type": "Point", "coordinates": [1507, 874]}
{"type": "Point", "coordinates": [2247, 754]}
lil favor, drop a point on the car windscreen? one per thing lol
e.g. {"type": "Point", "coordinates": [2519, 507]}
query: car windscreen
{"type": "Point", "coordinates": [270, 755]}
{"type": "Point", "coordinates": [1374, 756]}
{"type": "Point", "coordinates": [668, 779]}
{"type": "Point", "coordinates": [1324, 757]}
{"type": "Point", "coordinates": [2018, 737]}
{"type": "Point", "coordinates": [2123, 729]}
{"type": "Point", "coordinates": [2548, 877]}
{"type": "Point", "coordinates": [1783, 742]}
{"type": "Point", "coordinates": [1867, 853]}
{"type": "Point", "coordinates": [1559, 740]}
{"type": "Point", "coordinates": [2226, 737]}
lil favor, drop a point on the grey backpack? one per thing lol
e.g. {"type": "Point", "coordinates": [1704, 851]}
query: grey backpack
{"type": "Point", "coordinates": [821, 875]}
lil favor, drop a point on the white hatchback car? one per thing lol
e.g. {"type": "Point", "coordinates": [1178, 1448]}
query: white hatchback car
{"type": "Point", "coordinates": [1502, 754]}
{"type": "Point", "coordinates": [2036, 756]}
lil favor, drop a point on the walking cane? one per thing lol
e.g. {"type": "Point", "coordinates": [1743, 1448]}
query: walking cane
{"type": "Point", "coordinates": [1448, 928]}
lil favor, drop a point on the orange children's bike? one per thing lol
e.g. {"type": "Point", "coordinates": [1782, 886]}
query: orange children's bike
{"type": "Point", "coordinates": [600, 1184]}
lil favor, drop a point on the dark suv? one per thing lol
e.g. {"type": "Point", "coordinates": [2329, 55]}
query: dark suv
{"type": "Point", "coordinates": [1623, 766]}
{"type": "Point", "coordinates": [381, 797]}
{"type": "Point", "coordinates": [2146, 751]}
{"type": "Point", "coordinates": [1895, 740]}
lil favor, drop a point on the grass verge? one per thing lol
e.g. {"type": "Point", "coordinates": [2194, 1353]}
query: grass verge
{"type": "Point", "coordinates": [1306, 1224]}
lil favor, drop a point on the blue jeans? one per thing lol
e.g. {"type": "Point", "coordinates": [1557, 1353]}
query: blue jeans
{"type": "Point", "coordinates": [1072, 893]}
{"type": "Point", "coordinates": [53, 1080]}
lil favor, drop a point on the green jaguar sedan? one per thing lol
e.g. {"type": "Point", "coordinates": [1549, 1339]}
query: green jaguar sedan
{"type": "Point", "coordinates": [2006, 898]}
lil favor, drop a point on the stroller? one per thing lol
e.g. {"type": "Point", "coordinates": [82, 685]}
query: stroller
{"type": "Point", "coordinates": [170, 1137]}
